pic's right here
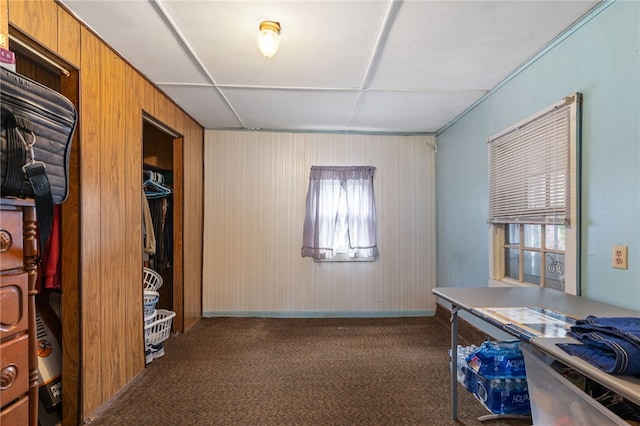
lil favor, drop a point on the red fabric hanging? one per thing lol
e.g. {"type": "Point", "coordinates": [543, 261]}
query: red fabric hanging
{"type": "Point", "coordinates": [49, 268]}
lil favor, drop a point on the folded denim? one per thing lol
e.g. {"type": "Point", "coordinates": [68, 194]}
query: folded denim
{"type": "Point", "coordinates": [611, 344]}
{"type": "Point", "coordinates": [625, 327]}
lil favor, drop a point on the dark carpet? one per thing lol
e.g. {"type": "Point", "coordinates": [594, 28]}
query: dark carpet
{"type": "Point", "coordinates": [266, 371]}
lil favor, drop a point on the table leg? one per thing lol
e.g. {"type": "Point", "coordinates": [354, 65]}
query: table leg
{"type": "Point", "coordinates": [454, 361]}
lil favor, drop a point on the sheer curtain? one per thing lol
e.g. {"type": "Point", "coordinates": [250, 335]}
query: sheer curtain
{"type": "Point", "coordinates": [326, 186]}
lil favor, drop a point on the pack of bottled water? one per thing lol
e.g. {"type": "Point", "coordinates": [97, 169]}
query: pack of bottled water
{"type": "Point", "coordinates": [463, 353]}
{"type": "Point", "coordinates": [504, 396]}
{"type": "Point", "coordinates": [498, 360]}
{"type": "Point", "coordinates": [495, 373]}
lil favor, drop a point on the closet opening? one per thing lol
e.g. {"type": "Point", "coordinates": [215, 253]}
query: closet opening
{"type": "Point", "coordinates": [162, 186]}
{"type": "Point", "coordinates": [57, 299]}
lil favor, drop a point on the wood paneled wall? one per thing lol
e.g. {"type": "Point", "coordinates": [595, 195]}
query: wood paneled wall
{"type": "Point", "coordinates": [4, 19]}
{"type": "Point", "coordinates": [102, 303]}
{"type": "Point", "coordinates": [256, 185]}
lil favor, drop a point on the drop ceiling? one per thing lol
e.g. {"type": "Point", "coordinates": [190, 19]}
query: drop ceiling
{"type": "Point", "coordinates": [401, 67]}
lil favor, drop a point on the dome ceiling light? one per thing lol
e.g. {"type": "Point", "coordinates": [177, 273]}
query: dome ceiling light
{"type": "Point", "coordinates": [269, 38]}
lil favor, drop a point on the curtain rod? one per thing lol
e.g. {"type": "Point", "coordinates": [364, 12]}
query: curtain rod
{"type": "Point", "coordinates": [39, 55]}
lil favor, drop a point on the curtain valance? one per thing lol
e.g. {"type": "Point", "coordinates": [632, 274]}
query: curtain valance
{"type": "Point", "coordinates": [342, 172]}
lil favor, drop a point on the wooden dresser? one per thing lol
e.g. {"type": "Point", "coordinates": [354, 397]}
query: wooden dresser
{"type": "Point", "coordinates": [18, 358]}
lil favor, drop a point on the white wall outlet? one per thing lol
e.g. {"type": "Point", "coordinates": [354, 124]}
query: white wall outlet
{"type": "Point", "coordinates": [619, 257]}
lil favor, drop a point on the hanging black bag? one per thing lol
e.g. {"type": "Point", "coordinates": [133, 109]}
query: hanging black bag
{"type": "Point", "coordinates": [35, 142]}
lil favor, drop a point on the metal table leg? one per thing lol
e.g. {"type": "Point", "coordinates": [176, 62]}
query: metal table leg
{"type": "Point", "coordinates": [454, 361]}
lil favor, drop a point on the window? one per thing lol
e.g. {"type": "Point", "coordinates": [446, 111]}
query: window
{"type": "Point", "coordinates": [533, 200]}
{"type": "Point", "coordinates": [340, 219]}
{"type": "Point", "coordinates": [535, 253]}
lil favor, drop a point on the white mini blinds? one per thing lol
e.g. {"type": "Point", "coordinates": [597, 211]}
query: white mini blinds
{"type": "Point", "coordinates": [530, 167]}
{"type": "Point", "coordinates": [340, 217]}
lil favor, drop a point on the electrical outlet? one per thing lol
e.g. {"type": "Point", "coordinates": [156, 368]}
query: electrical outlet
{"type": "Point", "coordinates": [619, 257]}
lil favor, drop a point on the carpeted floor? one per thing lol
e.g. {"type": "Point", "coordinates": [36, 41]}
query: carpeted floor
{"type": "Point", "coordinates": [259, 371]}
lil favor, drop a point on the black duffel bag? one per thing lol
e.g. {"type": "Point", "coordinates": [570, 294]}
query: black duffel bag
{"type": "Point", "coordinates": [35, 143]}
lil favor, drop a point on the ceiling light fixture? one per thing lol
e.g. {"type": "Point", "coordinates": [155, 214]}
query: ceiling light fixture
{"type": "Point", "coordinates": [269, 38]}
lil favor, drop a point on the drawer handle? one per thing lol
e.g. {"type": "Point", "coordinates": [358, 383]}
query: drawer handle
{"type": "Point", "coordinates": [5, 241]}
{"type": "Point", "coordinates": [9, 374]}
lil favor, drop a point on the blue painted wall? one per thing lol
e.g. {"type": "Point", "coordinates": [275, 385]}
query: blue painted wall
{"type": "Point", "coordinates": [599, 58]}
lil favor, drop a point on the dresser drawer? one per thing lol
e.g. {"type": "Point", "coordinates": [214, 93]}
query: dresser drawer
{"type": "Point", "coordinates": [11, 239]}
{"type": "Point", "coordinates": [13, 304]}
{"type": "Point", "coordinates": [16, 414]}
{"type": "Point", "coordinates": [14, 369]}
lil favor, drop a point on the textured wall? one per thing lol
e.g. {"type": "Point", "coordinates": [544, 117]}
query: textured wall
{"type": "Point", "coordinates": [601, 60]}
{"type": "Point", "coordinates": [256, 184]}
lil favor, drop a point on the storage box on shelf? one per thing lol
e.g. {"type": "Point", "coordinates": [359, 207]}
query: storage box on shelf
{"type": "Point", "coordinates": [556, 400]}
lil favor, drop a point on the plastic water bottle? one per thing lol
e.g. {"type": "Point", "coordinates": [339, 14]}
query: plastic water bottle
{"type": "Point", "coordinates": [492, 397]}
{"type": "Point", "coordinates": [463, 353]}
{"type": "Point", "coordinates": [516, 397]}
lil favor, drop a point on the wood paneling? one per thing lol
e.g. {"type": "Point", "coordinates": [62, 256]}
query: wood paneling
{"type": "Point", "coordinates": [160, 106]}
{"type": "Point", "coordinates": [149, 103]}
{"type": "Point", "coordinates": [112, 231]}
{"type": "Point", "coordinates": [178, 230]}
{"type": "Point", "coordinates": [193, 222]}
{"type": "Point", "coordinates": [4, 20]}
{"type": "Point", "coordinates": [90, 224]}
{"type": "Point", "coordinates": [133, 191]}
{"type": "Point", "coordinates": [171, 118]}
{"type": "Point", "coordinates": [102, 316]}
{"type": "Point", "coordinates": [68, 37]}
{"type": "Point", "coordinates": [256, 185]}
{"type": "Point", "coordinates": [38, 18]}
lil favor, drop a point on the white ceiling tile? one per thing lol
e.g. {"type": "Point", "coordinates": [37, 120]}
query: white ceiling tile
{"type": "Point", "coordinates": [205, 104]}
{"type": "Point", "coordinates": [138, 32]}
{"type": "Point", "coordinates": [410, 112]}
{"type": "Point", "coordinates": [459, 45]}
{"type": "Point", "coordinates": [293, 109]}
{"type": "Point", "coordinates": [323, 43]}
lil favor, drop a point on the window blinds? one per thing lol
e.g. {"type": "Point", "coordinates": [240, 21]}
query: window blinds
{"type": "Point", "coordinates": [529, 168]}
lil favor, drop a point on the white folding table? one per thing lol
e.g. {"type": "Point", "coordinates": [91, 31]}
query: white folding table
{"type": "Point", "coordinates": [476, 301]}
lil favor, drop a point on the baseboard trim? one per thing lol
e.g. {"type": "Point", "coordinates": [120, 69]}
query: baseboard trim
{"type": "Point", "coordinates": [320, 314]}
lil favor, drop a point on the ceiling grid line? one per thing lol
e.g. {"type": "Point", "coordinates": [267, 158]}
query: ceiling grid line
{"type": "Point", "coordinates": [387, 23]}
{"type": "Point", "coordinates": [346, 66]}
{"type": "Point", "coordinates": [174, 28]}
